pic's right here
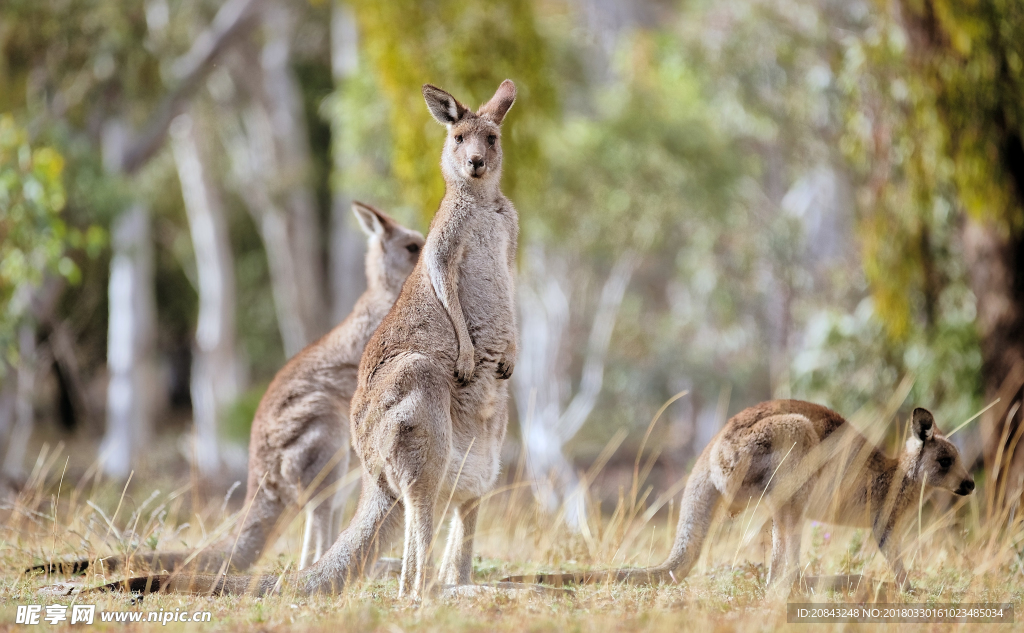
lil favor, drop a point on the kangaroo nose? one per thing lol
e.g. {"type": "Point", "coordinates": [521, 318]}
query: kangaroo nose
{"type": "Point", "coordinates": [476, 162]}
{"type": "Point", "coordinates": [966, 487]}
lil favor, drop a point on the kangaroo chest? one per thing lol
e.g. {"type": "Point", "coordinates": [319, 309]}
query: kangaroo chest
{"type": "Point", "coordinates": [486, 282]}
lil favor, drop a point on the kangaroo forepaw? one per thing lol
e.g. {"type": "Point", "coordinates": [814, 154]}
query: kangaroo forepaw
{"type": "Point", "coordinates": [464, 367]}
{"type": "Point", "coordinates": [505, 368]}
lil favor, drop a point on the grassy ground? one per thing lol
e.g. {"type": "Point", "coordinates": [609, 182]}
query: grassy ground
{"type": "Point", "coordinates": [963, 555]}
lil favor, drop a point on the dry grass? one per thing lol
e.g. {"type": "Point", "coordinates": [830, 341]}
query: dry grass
{"type": "Point", "coordinates": [964, 553]}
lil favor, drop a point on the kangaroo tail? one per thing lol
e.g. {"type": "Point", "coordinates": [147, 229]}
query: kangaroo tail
{"type": "Point", "coordinates": [210, 560]}
{"type": "Point", "coordinates": [700, 498]}
{"type": "Point", "coordinates": [259, 520]}
{"type": "Point", "coordinates": [352, 555]}
{"type": "Point", "coordinates": [194, 583]}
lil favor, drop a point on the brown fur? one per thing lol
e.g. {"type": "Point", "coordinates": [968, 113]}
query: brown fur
{"type": "Point", "coordinates": [429, 414]}
{"type": "Point", "coordinates": [808, 463]}
{"type": "Point", "coordinates": [299, 443]}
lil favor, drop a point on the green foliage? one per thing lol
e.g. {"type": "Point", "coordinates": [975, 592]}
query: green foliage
{"type": "Point", "coordinates": [74, 59]}
{"type": "Point", "coordinates": [895, 147]}
{"type": "Point", "coordinates": [33, 236]}
{"type": "Point", "coordinates": [467, 49]}
{"type": "Point", "coordinates": [238, 417]}
{"type": "Point", "coordinates": [914, 143]}
{"type": "Point", "coordinates": [973, 61]}
{"type": "Point", "coordinates": [362, 146]}
{"type": "Point", "coordinates": [648, 160]}
{"type": "Point", "coordinates": [854, 347]}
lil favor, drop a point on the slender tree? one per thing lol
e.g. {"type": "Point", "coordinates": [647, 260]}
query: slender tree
{"type": "Point", "coordinates": [214, 365]}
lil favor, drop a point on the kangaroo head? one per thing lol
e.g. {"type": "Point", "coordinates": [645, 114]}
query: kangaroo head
{"type": "Point", "coordinates": [393, 249]}
{"type": "Point", "coordinates": [472, 151]}
{"type": "Point", "coordinates": [935, 457]}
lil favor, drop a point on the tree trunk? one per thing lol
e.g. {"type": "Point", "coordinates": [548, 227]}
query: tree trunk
{"type": "Point", "coordinates": [282, 97]}
{"type": "Point", "coordinates": [130, 339]}
{"type": "Point", "coordinates": [271, 165]}
{"type": "Point", "coordinates": [214, 365]}
{"type": "Point", "coordinates": [24, 409]}
{"type": "Point", "coordinates": [8, 398]}
{"type": "Point", "coordinates": [995, 262]}
{"type": "Point", "coordinates": [541, 382]}
{"type": "Point", "coordinates": [252, 164]}
{"type": "Point", "coordinates": [347, 246]}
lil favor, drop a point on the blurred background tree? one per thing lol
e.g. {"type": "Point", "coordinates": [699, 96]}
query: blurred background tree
{"type": "Point", "coordinates": [741, 199]}
{"type": "Point", "coordinates": [971, 59]}
{"type": "Point", "coordinates": [33, 236]}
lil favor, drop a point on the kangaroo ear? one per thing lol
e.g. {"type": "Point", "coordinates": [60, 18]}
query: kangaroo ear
{"type": "Point", "coordinates": [498, 106]}
{"type": "Point", "coordinates": [373, 221]}
{"type": "Point", "coordinates": [443, 107]}
{"type": "Point", "coordinates": [924, 424]}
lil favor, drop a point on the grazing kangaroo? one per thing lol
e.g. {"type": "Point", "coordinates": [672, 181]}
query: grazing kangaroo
{"type": "Point", "coordinates": [429, 414]}
{"type": "Point", "coordinates": [808, 462]}
{"type": "Point", "coordinates": [298, 446]}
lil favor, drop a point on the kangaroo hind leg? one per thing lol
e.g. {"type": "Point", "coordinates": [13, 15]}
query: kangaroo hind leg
{"type": "Point", "coordinates": [418, 465]}
{"type": "Point", "coordinates": [787, 530]}
{"type": "Point", "coordinates": [457, 564]}
{"type": "Point", "coordinates": [357, 548]}
{"type": "Point", "coordinates": [318, 533]}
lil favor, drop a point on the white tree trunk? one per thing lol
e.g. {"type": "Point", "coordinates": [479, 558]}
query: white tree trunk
{"type": "Point", "coordinates": [24, 410]}
{"type": "Point", "coordinates": [214, 365]}
{"type": "Point", "coordinates": [347, 246]}
{"type": "Point", "coordinates": [541, 382]}
{"type": "Point", "coordinates": [282, 97]}
{"type": "Point", "coordinates": [8, 398]}
{"type": "Point", "coordinates": [251, 148]}
{"type": "Point", "coordinates": [130, 336]}
{"type": "Point", "coordinates": [271, 162]}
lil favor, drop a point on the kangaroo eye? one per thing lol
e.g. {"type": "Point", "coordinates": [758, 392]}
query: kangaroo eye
{"type": "Point", "coordinates": [491, 138]}
{"type": "Point", "coordinates": [945, 462]}
{"type": "Point", "coordinates": [458, 139]}
{"type": "Point", "coordinates": [413, 248]}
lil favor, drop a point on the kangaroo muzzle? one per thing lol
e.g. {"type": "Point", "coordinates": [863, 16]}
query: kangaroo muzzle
{"type": "Point", "coordinates": [476, 166]}
{"type": "Point", "coordinates": [966, 487]}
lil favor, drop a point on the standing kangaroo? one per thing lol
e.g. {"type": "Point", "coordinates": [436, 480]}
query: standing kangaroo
{"type": "Point", "coordinates": [831, 474]}
{"type": "Point", "coordinates": [298, 446]}
{"type": "Point", "coordinates": [429, 414]}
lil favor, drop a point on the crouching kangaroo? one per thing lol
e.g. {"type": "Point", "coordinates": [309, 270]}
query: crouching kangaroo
{"type": "Point", "coordinates": [429, 413]}
{"type": "Point", "coordinates": [809, 463]}
{"type": "Point", "coordinates": [299, 441]}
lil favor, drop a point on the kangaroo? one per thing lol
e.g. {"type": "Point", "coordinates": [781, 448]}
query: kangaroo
{"type": "Point", "coordinates": [298, 446]}
{"type": "Point", "coordinates": [809, 463]}
{"type": "Point", "coordinates": [430, 410]}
